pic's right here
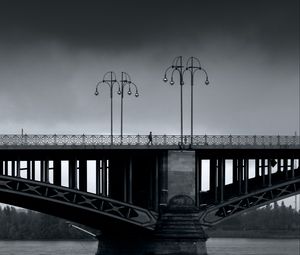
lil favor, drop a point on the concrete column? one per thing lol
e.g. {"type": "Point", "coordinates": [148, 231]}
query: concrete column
{"type": "Point", "coordinates": [156, 244]}
{"type": "Point", "coordinates": [151, 189]}
{"type": "Point", "coordinates": [156, 199]}
{"type": "Point", "coordinates": [163, 176]}
{"type": "Point", "coordinates": [83, 175]}
{"type": "Point", "coordinates": [181, 173]}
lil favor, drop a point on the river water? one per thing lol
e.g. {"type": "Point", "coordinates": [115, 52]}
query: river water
{"type": "Point", "coordinates": [215, 246]}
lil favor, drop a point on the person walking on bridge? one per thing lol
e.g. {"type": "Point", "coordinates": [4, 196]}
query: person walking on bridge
{"type": "Point", "coordinates": [150, 139]}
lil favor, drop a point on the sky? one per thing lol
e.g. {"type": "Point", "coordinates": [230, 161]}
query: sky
{"type": "Point", "coordinates": [53, 53]}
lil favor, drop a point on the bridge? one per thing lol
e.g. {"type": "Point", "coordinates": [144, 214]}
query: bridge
{"type": "Point", "coordinates": [148, 195]}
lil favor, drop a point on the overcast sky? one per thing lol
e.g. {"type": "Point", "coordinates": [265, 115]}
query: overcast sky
{"type": "Point", "coordinates": [52, 54]}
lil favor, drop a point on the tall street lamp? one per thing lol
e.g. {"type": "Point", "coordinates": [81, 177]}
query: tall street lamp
{"type": "Point", "coordinates": [109, 79]}
{"type": "Point", "coordinates": [177, 67]}
{"type": "Point", "coordinates": [125, 80]}
{"type": "Point", "coordinates": [192, 65]}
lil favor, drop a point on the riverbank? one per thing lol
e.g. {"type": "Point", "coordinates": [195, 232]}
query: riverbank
{"type": "Point", "coordinates": [254, 234]}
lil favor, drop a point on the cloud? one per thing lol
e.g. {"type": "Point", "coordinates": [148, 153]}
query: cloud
{"type": "Point", "coordinates": [52, 55]}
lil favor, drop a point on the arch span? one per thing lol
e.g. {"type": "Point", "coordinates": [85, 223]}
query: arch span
{"type": "Point", "coordinates": [96, 211]}
{"type": "Point", "coordinates": [232, 207]}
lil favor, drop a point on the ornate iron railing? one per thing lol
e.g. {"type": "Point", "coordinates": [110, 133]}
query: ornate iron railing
{"type": "Point", "coordinates": [142, 140]}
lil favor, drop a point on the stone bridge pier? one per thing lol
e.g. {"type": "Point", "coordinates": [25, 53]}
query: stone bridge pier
{"type": "Point", "coordinates": [178, 230]}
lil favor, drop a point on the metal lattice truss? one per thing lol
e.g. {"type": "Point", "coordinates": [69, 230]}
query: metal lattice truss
{"type": "Point", "coordinates": [216, 213]}
{"type": "Point", "coordinates": [136, 140]}
{"type": "Point", "coordinates": [82, 200]}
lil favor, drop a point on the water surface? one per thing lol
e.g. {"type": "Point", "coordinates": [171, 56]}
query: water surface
{"type": "Point", "coordinates": [215, 246]}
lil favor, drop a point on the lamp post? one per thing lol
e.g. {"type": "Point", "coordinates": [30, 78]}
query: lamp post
{"type": "Point", "coordinates": [125, 80]}
{"type": "Point", "coordinates": [192, 65]}
{"type": "Point", "coordinates": [110, 79]}
{"type": "Point", "coordinates": [177, 66]}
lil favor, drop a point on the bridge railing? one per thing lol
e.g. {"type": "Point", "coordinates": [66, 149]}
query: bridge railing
{"type": "Point", "coordinates": [142, 140]}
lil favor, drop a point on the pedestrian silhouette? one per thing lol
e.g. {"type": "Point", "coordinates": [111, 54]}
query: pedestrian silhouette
{"type": "Point", "coordinates": [150, 138]}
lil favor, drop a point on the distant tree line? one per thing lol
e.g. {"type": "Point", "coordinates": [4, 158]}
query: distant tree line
{"type": "Point", "coordinates": [269, 217]}
{"type": "Point", "coordinates": [16, 224]}
{"type": "Point", "coordinates": [269, 221]}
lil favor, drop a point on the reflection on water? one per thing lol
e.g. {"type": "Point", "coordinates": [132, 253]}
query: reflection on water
{"type": "Point", "coordinates": [244, 246]}
{"type": "Point", "coordinates": [215, 246]}
{"type": "Point", "coordinates": [48, 247]}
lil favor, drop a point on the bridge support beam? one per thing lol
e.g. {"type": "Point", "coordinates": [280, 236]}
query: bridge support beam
{"type": "Point", "coordinates": [263, 171]}
{"type": "Point", "coordinates": [1, 168]}
{"type": "Point", "coordinates": [13, 168]}
{"type": "Point", "coordinates": [213, 178]}
{"type": "Point", "coordinates": [269, 173]}
{"type": "Point", "coordinates": [221, 178]}
{"type": "Point", "coordinates": [6, 167]}
{"type": "Point", "coordinates": [72, 173]}
{"type": "Point", "coordinates": [285, 168]}
{"type": "Point", "coordinates": [292, 167]}
{"type": "Point", "coordinates": [18, 168]}
{"type": "Point", "coordinates": [246, 174]}
{"type": "Point", "coordinates": [44, 170]}
{"type": "Point", "coordinates": [198, 182]}
{"type": "Point", "coordinates": [83, 175]}
{"type": "Point", "coordinates": [28, 176]}
{"type": "Point", "coordinates": [129, 181]}
{"type": "Point", "coordinates": [57, 172]}
{"type": "Point", "coordinates": [240, 175]}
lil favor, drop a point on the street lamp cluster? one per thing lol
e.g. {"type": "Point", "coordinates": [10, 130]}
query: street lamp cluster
{"type": "Point", "coordinates": [110, 79]}
{"type": "Point", "coordinates": [192, 65]}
